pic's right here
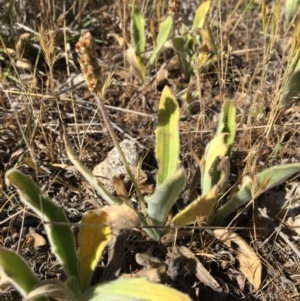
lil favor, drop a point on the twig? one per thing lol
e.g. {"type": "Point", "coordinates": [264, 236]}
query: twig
{"type": "Point", "coordinates": [117, 145]}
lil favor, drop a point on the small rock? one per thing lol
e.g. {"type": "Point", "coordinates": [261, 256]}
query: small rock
{"type": "Point", "coordinates": [113, 165]}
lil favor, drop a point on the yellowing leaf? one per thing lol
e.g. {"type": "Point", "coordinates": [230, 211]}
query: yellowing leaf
{"type": "Point", "coordinates": [167, 136]}
{"type": "Point", "coordinates": [203, 57]}
{"type": "Point", "coordinates": [215, 150]}
{"type": "Point", "coordinates": [250, 264]}
{"type": "Point", "coordinates": [201, 15]}
{"type": "Point", "coordinates": [136, 63]}
{"type": "Point", "coordinates": [201, 207]}
{"type": "Point", "coordinates": [138, 289]}
{"type": "Point", "coordinates": [93, 236]}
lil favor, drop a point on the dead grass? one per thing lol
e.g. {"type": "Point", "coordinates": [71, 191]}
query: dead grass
{"type": "Point", "coordinates": [255, 49]}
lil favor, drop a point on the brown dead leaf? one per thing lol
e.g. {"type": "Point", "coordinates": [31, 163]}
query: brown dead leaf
{"type": "Point", "coordinates": [161, 76]}
{"type": "Point", "coordinates": [145, 185]}
{"type": "Point", "coordinates": [119, 185]}
{"type": "Point", "coordinates": [121, 217]}
{"type": "Point", "coordinates": [34, 240]}
{"type": "Point", "coordinates": [250, 264]}
{"type": "Point", "coordinates": [118, 38]}
{"type": "Point", "coordinates": [155, 270]}
{"type": "Point", "coordinates": [196, 267]}
{"type": "Point", "coordinates": [24, 64]}
{"type": "Point", "coordinates": [153, 274]}
{"type": "Point", "coordinates": [170, 237]}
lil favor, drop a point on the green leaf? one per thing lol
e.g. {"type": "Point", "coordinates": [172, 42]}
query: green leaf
{"type": "Point", "coordinates": [17, 272]}
{"type": "Point", "coordinates": [215, 151]}
{"type": "Point", "coordinates": [167, 136]}
{"type": "Point", "coordinates": [179, 44]}
{"type": "Point", "coordinates": [201, 15]}
{"type": "Point", "coordinates": [138, 36]}
{"type": "Point", "coordinates": [291, 78]}
{"type": "Point", "coordinates": [262, 182]}
{"type": "Point", "coordinates": [163, 35]}
{"type": "Point", "coordinates": [293, 88]}
{"type": "Point", "coordinates": [164, 197]}
{"type": "Point", "coordinates": [291, 7]}
{"type": "Point", "coordinates": [183, 53]}
{"type": "Point", "coordinates": [51, 288]}
{"type": "Point", "coordinates": [73, 284]}
{"type": "Point", "coordinates": [56, 222]}
{"type": "Point", "coordinates": [138, 289]}
{"type": "Point", "coordinates": [93, 181]}
{"type": "Point", "coordinates": [218, 148]}
{"type": "Point", "coordinates": [227, 123]}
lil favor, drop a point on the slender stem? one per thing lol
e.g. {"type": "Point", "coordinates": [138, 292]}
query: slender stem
{"type": "Point", "coordinates": [117, 145]}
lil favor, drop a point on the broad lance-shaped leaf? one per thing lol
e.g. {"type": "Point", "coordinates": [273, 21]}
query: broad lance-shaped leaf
{"type": "Point", "coordinates": [136, 63]}
{"type": "Point", "coordinates": [167, 136]}
{"type": "Point", "coordinates": [94, 234]}
{"type": "Point", "coordinates": [54, 289]}
{"type": "Point", "coordinates": [227, 123]}
{"type": "Point", "coordinates": [72, 283]}
{"type": "Point", "coordinates": [201, 15]}
{"type": "Point", "coordinates": [293, 88]}
{"type": "Point", "coordinates": [56, 222]}
{"type": "Point", "coordinates": [199, 208]}
{"type": "Point", "coordinates": [218, 148]}
{"type": "Point", "coordinates": [291, 7]}
{"type": "Point", "coordinates": [138, 289]}
{"type": "Point", "coordinates": [214, 152]}
{"type": "Point", "coordinates": [262, 182]}
{"type": "Point", "coordinates": [290, 82]}
{"type": "Point", "coordinates": [135, 53]}
{"type": "Point", "coordinates": [138, 36]}
{"type": "Point", "coordinates": [179, 44]}
{"type": "Point", "coordinates": [16, 271]}
{"type": "Point", "coordinates": [164, 197]}
{"type": "Point", "coordinates": [204, 204]}
{"type": "Point", "coordinates": [165, 30]}
{"type": "Point", "coordinates": [93, 181]}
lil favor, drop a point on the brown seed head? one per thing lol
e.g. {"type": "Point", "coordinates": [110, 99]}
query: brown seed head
{"type": "Point", "coordinates": [173, 7]}
{"type": "Point", "coordinates": [88, 62]}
